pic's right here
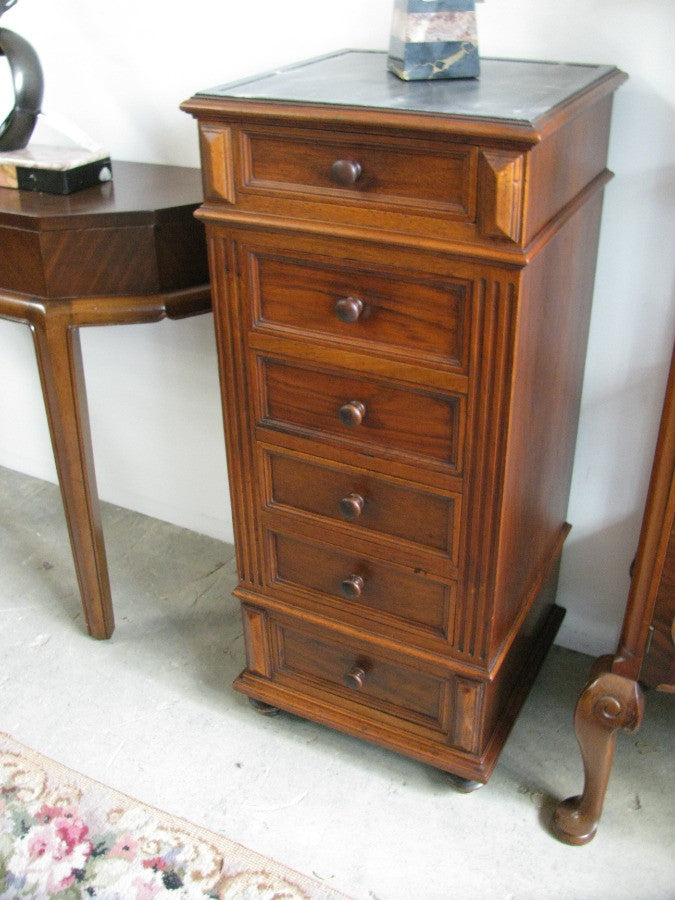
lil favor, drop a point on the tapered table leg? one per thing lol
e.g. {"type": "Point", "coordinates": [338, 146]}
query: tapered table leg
{"type": "Point", "coordinates": [117, 253]}
{"type": "Point", "coordinates": [609, 702]}
{"type": "Point", "coordinates": [57, 345]}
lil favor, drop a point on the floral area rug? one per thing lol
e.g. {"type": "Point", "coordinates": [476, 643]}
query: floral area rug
{"type": "Point", "coordinates": [65, 836]}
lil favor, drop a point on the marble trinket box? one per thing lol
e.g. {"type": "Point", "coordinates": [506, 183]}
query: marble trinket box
{"type": "Point", "coordinates": [434, 39]}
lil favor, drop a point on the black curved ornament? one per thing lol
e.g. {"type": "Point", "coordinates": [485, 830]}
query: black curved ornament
{"type": "Point", "coordinates": [28, 82]}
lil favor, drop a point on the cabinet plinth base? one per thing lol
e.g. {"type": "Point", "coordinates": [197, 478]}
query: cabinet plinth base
{"type": "Point", "coordinates": [501, 695]}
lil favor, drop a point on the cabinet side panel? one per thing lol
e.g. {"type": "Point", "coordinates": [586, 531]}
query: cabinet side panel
{"type": "Point", "coordinates": [565, 163]}
{"type": "Point", "coordinates": [505, 695]}
{"type": "Point", "coordinates": [555, 302]}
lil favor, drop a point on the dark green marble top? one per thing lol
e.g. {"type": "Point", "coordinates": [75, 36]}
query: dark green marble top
{"type": "Point", "coordinates": [515, 90]}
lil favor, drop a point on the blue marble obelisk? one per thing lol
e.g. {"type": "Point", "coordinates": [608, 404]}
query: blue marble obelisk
{"type": "Point", "coordinates": [434, 39]}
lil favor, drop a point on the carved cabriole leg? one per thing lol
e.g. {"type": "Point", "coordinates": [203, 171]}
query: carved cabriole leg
{"type": "Point", "coordinates": [608, 703]}
{"type": "Point", "coordinates": [59, 357]}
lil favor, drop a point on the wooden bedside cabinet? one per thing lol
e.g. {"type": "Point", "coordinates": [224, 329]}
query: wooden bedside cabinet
{"type": "Point", "coordinates": [402, 284]}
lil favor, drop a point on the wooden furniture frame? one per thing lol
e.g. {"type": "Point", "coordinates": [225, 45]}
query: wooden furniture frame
{"type": "Point", "coordinates": [125, 252]}
{"type": "Point", "coordinates": [613, 699]}
{"type": "Point", "coordinates": [402, 282]}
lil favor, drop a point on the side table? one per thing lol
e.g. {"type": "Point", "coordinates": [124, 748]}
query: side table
{"type": "Point", "coordinates": [122, 252]}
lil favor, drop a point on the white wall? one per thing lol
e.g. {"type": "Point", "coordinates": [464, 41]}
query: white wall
{"type": "Point", "coordinates": [119, 70]}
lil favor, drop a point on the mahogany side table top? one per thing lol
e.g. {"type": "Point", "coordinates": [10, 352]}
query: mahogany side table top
{"type": "Point", "coordinates": [123, 252]}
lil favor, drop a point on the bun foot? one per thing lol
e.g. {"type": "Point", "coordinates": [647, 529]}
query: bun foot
{"type": "Point", "coordinates": [464, 785]}
{"type": "Point", "coordinates": [265, 709]}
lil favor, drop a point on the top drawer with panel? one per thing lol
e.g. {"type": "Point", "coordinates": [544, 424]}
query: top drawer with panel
{"type": "Point", "coordinates": [406, 184]}
{"type": "Point", "coordinates": [434, 177]}
{"type": "Point", "coordinates": [490, 162]}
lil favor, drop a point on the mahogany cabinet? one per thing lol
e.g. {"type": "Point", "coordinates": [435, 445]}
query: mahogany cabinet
{"type": "Point", "coordinates": [402, 277]}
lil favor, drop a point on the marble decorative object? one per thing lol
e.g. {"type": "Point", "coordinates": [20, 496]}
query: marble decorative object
{"type": "Point", "coordinates": [434, 39]}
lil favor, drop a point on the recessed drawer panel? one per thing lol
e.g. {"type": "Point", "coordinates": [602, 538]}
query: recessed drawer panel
{"type": "Point", "coordinates": [337, 668]}
{"type": "Point", "coordinates": [363, 502]}
{"type": "Point", "coordinates": [356, 306]}
{"type": "Point", "coordinates": [424, 174]}
{"type": "Point", "coordinates": [363, 412]}
{"type": "Point", "coordinates": [362, 585]}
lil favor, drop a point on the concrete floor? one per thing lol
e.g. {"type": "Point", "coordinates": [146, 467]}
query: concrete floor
{"type": "Point", "coordinates": [151, 713]}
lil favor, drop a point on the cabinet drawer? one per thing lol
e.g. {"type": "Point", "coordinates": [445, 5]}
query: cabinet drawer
{"type": "Point", "coordinates": [425, 174]}
{"type": "Point", "coordinates": [362, 412]}
{"type": "Point", "coordinates": [323, 661]}
{"type": "Point", "coordinates": [359, 585]}
{"type": "Point", "coordinates": [384, 308]}
{"type": "Point", "coordinates": [362, 502]}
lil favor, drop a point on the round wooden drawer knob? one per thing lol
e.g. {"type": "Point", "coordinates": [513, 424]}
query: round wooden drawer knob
{"type": "Point", "coordinates": [349, 309]}
{"type": "Point", "coordinates": [354, 678]}
{"type": "Point", "coordinates": [345, 172]}
{"type": "Point", "coordinates": [352, 587]}
{"type": "Point", "coordinates": [351, 506]}
{"type": "Point", "coordinates": [352, 413]}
